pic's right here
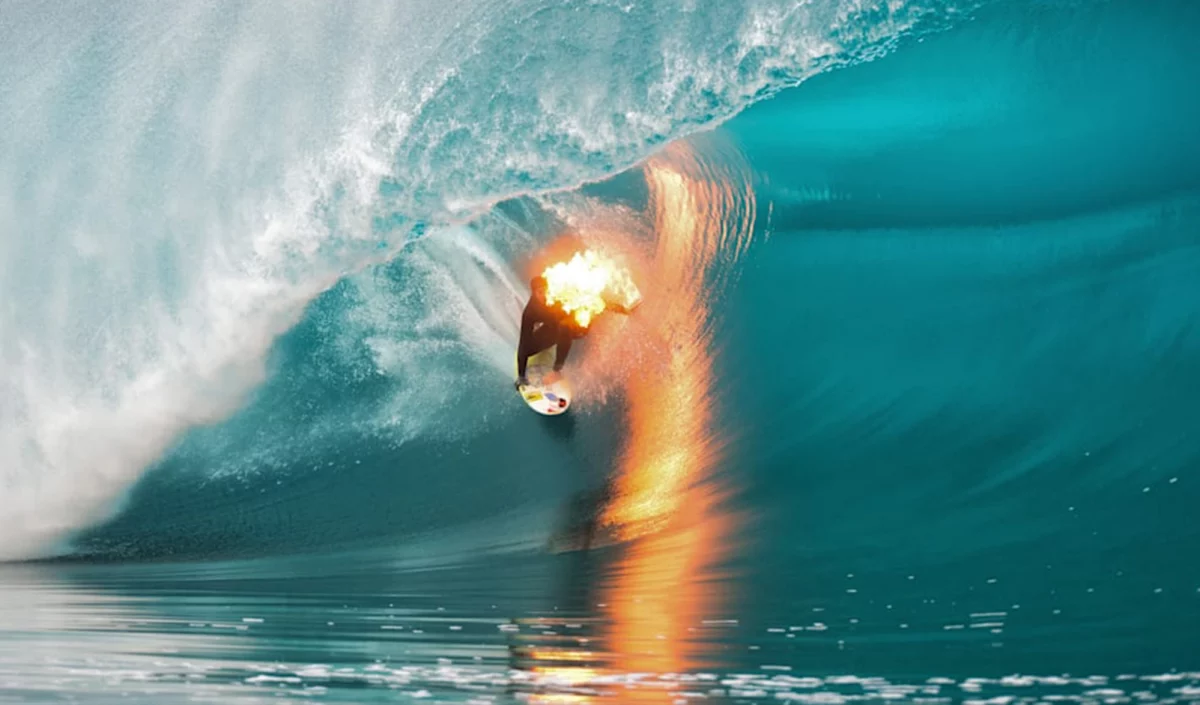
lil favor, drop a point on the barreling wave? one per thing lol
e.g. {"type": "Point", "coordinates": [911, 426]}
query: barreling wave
{"type": "Point", "coordinates": [178, 185]}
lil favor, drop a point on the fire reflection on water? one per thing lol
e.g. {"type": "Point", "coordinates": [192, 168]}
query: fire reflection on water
{"type": "Point", "coordinates": [654, 599]}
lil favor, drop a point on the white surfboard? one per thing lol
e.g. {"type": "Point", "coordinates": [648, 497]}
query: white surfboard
{"type": "Point", "coordinates": [548, 399]}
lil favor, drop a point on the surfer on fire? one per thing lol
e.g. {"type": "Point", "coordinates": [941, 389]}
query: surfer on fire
{"type": "Point", "coordinates": [563, 301]}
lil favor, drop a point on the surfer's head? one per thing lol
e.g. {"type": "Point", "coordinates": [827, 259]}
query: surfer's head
{"type": "Point", "coordinates": [538, 286]}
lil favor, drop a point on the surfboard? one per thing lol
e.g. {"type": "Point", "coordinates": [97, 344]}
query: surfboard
{"type": "Point", "coordinates": [551, 399]}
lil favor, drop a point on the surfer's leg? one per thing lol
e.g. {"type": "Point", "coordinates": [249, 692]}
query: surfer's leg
{"type": "Point", "coordinates": [539, 340]}
{"type": "Point", "coordinates": [563, 349]}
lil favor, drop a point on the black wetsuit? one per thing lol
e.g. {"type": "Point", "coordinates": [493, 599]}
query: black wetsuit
{"type": "Point", "coordinates": [541, 327]}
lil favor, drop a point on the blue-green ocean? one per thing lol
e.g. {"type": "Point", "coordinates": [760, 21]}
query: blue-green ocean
{"type": "Point", "coordinates": [908, 412]}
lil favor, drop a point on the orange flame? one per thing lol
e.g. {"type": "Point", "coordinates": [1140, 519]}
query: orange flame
{"type": "Point", "coordinates": [666, 498]}
{"type": "Point", "coordinates": [672, 445]}
{"type": "Point", "coordinates": [585, 285]}
{"type": "Point", "coordinates": [666, 503]}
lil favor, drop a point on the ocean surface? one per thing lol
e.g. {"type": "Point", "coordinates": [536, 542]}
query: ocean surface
{"type": "Point", "coordinates": [908, 413]}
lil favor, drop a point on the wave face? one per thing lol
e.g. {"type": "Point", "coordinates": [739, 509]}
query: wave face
{"type": "Point", "coordinates": [911, 395]}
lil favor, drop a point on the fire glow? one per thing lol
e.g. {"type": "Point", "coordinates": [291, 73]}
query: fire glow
{"type": "Point", "coordinates": [587, 284]}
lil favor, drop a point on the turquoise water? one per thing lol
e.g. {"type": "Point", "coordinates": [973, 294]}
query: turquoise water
{"type": "Point", "coordinates": [907, 414]}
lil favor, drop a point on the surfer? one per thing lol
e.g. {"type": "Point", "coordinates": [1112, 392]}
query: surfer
{"type": "Point", "coordinates": [544, 324]}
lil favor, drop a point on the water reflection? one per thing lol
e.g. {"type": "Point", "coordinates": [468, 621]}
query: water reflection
{"type": "Point", "coordinates": [660, 587]}
{"type": "Point", "coordinates": [640, 621]}
{"type": "Point", "coordinates": [635, 608]}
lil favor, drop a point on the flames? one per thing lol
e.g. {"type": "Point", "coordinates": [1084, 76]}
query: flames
{"type": "Point", "coordinates": [667, 500]}
{"type": "Point", "coordinates": [587, 284]}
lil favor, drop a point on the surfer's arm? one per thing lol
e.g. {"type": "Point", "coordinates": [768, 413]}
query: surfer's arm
{"type": "Point", "coordinates": [618, 307]}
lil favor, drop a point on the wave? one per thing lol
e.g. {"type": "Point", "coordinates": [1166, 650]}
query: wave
{"type": "Point", "coordinates": [179, 185]}
{"type": "Point", "coordinates": [1026, 113]}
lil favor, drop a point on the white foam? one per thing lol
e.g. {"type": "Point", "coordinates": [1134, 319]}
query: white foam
{"type": "Point", "coordinates": [453, 306]}
{"type": "Point", "coordinates": [178, 228]}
